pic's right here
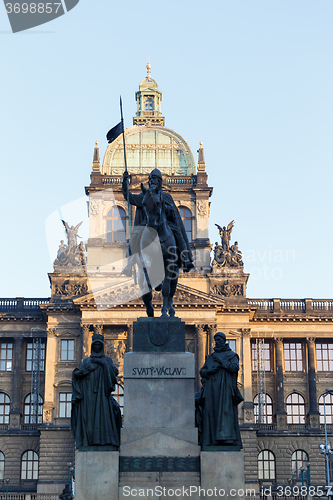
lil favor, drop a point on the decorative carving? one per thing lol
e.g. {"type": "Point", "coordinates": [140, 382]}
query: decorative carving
{"type": "Point", "coordinates": [224, 255]}
{"type": "Point", "coordinates": [70, 256]}
{"type": "Point", "coordinates": [70, 289]}
{"type": "Point", "coordinates": [248, 414]}
{"type": "Point", "coordinates": [202, 208]}
{"type": "Point", "coordinates": [311, 340]}
{"type": "Point", "coordinates": [157, 335]}
{"type": "Point", "coordinates": [47, 415]}
{"type": "Point", "coordinates": [51, 330]}
{"type": "Point", "coordinates": [228, 290]}
{"type": "Point", "coordinates": [279, 341]}
{"type": "Point", "coordinates": [246, 332]}
{"type": "Point", "coordinates": [159, 464]}
{"type": "Point", "coordinates": [93, 207]}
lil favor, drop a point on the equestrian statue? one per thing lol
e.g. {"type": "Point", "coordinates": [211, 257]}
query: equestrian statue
{"type": "Point", "coordinates": [158, 230]}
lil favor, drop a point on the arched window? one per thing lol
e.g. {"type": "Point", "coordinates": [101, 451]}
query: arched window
{"type": "Point", "coordinates": [295, 407]}
{"type": "Point", "coordinates": [29, 415]}
{"type": "Point", "coordinates": [4, 408]}
{"type": "Point", "coordinates": [266, 465]}
{"type": "Point", "coordinates": [116, 225]}
{"type": "Point", "coordinates": [266, 416]}
{"type": "Point", "coordinates": [29, 465]}
{"type": "Point", "coordinates": [149, 104]}
{"type": "Point", "coordinates": [2, 466]}
{"type": "Point", "coordinates": [118, 395]}
{"type": "Point", "coordinates": [328, 408]}
{"type": "Point", "coordinates": [186, 217]}
{"type": "Point", "coordinates": [298, 459]}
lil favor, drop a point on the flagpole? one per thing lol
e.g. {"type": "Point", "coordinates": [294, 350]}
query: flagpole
{"type": "Point", "coordinates": [127, 182]}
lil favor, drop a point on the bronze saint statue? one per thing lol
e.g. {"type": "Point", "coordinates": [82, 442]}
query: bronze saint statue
{"type": "Point", "coordinates": [96, 418]}
{"type": "Point", "coordinates": [157, 215]}
{"type": "Point", "coordinates": [219, 397]}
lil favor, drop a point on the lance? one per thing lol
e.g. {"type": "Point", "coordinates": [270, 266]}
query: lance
{"type": "Point", "coordinates": [127, 182]}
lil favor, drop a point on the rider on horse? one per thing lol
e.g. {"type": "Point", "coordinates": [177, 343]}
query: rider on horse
{"type": "Point", "coordinates": [173, 219]}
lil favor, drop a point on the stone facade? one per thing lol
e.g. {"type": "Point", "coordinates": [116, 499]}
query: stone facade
{"type": "Point", "coordinates": [95, 296]}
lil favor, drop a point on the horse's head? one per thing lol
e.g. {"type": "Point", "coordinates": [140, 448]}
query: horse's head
{"type": "Point", "coordinates": [152, 205]}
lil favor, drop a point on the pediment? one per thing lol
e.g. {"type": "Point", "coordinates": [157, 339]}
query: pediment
{"type": "Point", "coordinates": [130, 294]}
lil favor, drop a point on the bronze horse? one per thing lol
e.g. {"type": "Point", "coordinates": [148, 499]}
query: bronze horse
{"type": "Point", "coordinates": [151, 247]}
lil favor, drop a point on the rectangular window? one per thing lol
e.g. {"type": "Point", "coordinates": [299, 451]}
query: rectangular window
{"type": "Point", "coordinates": [232, 344]}
{"type": "Point", "coordinates": [65, 404]}
{"type": "Point", "coordinates": [67, 350]}
{"type": "Point", "coordinates": [6, 356]}
{"type": "Point", "coordinates": [262, 351]}
{"type": "Point", "coordinates": [293, 356]}
{"type": "Point", "coordinates": [324, 352]}
{"type": "Point", "coordinates": [29, 357]}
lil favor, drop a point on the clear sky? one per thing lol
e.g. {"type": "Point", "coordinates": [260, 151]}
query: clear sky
{"type": "Point", "coordinates": [251, 79]}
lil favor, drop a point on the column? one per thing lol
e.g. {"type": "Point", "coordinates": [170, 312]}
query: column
{"type": "Point", "coordinates": [246, 368]}
{"type": "Point", "coordinates": [85, 341]}
{"type": "Point", "coordinates": [15, 413]}
{"type": "Point", "coordinates": [211, 332]}
{"type": "Point", "coordinates": [50, 361]}
{"type": "Point", "coordinates": [201, 352]}
{"type": "Point", "coordinates": [130, 337]}
{"type": "Point", "coordinates": [313, 414]}
{"type": "Point", "coordinates": [281, 414]}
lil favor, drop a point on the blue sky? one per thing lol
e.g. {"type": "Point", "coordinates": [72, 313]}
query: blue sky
{"type": "Point", "coordinates": [251, 79]}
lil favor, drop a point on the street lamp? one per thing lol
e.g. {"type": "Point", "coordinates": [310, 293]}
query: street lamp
{"type": "Point", "coordinates": [7, 481]}
{"type": "Point", "coordinates": [326, 449]}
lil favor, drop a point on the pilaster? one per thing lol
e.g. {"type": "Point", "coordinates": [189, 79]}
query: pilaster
{"type": "Point", "coordinates": [15, 413]}
{"type": "Point", "coordinates": [313, 413]}
{"type": "Point", "coordinates": [248, 414]}
{"type": "Point", "coordinates": [281, 414]}
{"type": "Point", "coordinates": [50, 362]}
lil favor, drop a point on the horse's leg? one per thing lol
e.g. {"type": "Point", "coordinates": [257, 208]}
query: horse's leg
{"type": "Point", "coordinates": [148, 300]}
{"type": "Point", "coordinates": [169, 264]}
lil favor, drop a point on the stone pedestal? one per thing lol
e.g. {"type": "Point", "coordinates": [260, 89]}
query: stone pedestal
{"type": "Point", "coordinates": [159, 405]}
{"type": "Point", "coordinates": [223, 470]}
{"type": "Point", "coordinates": [96, 475]}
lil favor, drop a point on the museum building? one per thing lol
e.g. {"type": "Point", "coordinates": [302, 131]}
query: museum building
{"type": "Point", "coordinates": [285, 346]}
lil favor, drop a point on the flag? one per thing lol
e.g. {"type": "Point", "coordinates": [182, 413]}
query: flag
{"type": "Point", "coordinates": [114, 132]}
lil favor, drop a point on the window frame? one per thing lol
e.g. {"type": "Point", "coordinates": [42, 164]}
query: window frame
{"type": "Point", "coordinates": [297, 460]}
{"type": "Point", "coordinates": [2, 465]}
{"type": "Point", "coordinates": [67, 350]}
{"type": "Point", "coordinates": [328, 360]}
{"type": "Point", "coordinates": [270, 460]}
{"type": "Point", "coordinates": [296, 359]}
{"type": "Point", "coordinates": [66, 404]}
{"type": "Point", "coordinates": [269, 404]}
{"type": "Point", "coordinates": [42, 360]}
{"type": "Point", "coordinates": [186, 218]}
{"type": "Point", "coordinates": [254, 356]}
{"type": "Point", "coordinates": [118, 395]}
{"type": "Point", "coordinates": [329, 407]}
{"type": "Point", "coordinates": [27, 404]}
{"type": "Point", "coordinates": [5, 359]}
{"type": "Point", "coordinates": [6, 407]}
{"type": "Point", "coordinates": [292, 416]}
{"type": "Point", "coordinates": [34, 460]}
{"type": "Point", "coordinates": [121, 217]}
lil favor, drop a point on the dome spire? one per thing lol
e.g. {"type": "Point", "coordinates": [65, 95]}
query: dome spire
{"type": "Point", "coordinates": [201, 159]}
{"type": "Point", "coordinates": [96, 166]}
{"type": "Point", "coordinates": [148, 70]}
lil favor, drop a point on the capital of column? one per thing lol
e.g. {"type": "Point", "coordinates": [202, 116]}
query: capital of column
{"type": "Point", "coordinates": [85, 328]}
{"type": "Point", "coordinates": [200, 329]}
{"type": "Point", "coordinates": [246, 331]}
{"type": "Point", "coordinates": [130, 328]}
{"type": "Point", "coordinates": [98, 329]}
{"type": "Point", "coordinates": [311, 341]}
{"type": "Point", "coordinates": [279, 341]}
{"type": "Point", "coordinates": [51, 330]}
